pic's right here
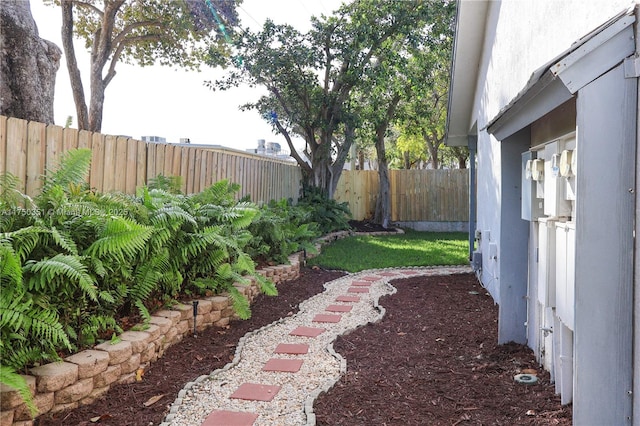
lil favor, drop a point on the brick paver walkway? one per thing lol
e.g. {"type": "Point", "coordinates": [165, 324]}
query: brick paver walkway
{"type": "Point", "coordinates": [320, 320]}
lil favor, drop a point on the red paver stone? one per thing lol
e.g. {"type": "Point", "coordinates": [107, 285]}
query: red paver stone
{"type": "Point", "coordinates": [388, 274]}
{"type": "Point", "coordinates": [371, 278]}
{"type": "Point", "coordinates": [347, 298]}
{"type": "Point", "coordinates": [255, 392]}
{"type": "Point", "coordinates": [327, 318]}
{"type": "Point", "coordinates": [292, 348]}
{"type": "Point", "coordinates": [283, 365]}
{"type": "Point", "coordinates": [339, 308]}
{"type": "Point", "coordinates": [230, 418]}
{"type": "Point", "coordinates": [307, 331]}
{"type": "Point", "coordinates": [361, 283]}
{"type": "Point", "coordinates": [410, 272]}
{"type": "Point", "coordinates": [358, 290]}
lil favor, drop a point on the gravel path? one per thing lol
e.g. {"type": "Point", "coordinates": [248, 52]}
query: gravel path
{"type": "Point", "coordinates": [321, 366]}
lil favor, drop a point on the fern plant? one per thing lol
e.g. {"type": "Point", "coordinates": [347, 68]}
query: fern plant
{"type": "Point", "coordinates": [28, 332]}
{"type": "Point", "coordinates": [329, 214]}
{"type": "Point", "coordinates": [279, 230]}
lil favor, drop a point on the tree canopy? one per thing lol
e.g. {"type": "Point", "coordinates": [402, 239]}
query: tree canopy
{"type": "Point", "coordinates": [143, 32]}
{"type": "Point", "coordinates": [311, 77]}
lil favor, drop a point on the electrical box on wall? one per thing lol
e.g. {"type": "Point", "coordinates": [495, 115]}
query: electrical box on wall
{"type": "Point", "coordinates": [531, 205]}
{"type": "Point", "coordinates": [555, 201]}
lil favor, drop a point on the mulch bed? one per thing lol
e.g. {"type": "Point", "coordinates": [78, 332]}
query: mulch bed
{"type": "Point", "coordinates": [431, 360]}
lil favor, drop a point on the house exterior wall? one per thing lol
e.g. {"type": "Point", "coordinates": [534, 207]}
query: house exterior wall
{"type": "Point", "coordinates": [520, 37]}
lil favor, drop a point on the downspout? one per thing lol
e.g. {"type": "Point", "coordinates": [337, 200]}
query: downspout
{"type": "Point", "coordinates": [472, 141]}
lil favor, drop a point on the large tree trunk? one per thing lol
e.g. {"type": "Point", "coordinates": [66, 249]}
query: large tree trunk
{"type": "Point", "coordinates": [382, 215]}
{"type": "Point", "coordinates": [28, 65]}
{"type": "Point", "coordinates": [383, 204]}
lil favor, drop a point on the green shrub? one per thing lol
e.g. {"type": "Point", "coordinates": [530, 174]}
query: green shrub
{"type": "Point", "coordinates": [279, 230]}
{"type": "Point", "coordinates": [329, 214]}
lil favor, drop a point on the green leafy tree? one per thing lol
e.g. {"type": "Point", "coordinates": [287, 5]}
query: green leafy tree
{"type": "Point", "coordinates": [401, 74]}
{"type": "Point", "coordinates": [411, 149]}
{"type": "Point", "coordinates": [310, 77]}
{"type": "Point", "coordinates": [144, 32]}
{"type": "Point", "coordinates": [425, 111]}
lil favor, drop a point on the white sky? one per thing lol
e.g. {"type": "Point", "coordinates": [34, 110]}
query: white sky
{"type": "Point", "coordinates": [173, 103]}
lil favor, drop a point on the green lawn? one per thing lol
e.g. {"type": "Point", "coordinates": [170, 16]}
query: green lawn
{"type": "Point", "coordinates": [354, 254]}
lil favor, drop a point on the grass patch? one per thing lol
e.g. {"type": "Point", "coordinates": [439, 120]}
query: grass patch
{"type": "Point", "coordinates": [355, 254]}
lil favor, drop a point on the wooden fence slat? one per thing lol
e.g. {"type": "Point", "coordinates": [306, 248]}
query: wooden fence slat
{"type": "Point", "coordinates": [35, 156]}
{"type": "Point", "coordinates": [17, 155]}
{"type": "Point", "coordinates": [197, 165]}
{"type": "Point", "coordinates": [141, 163]}
{"type": "Point", "coordinates": [110, 164]}
{"type": "Point", "coordinates": [191, 170]}
{"type": "Point", "coordinates": [158, 161]}
{"type": "Point", "coordinates": [151, 165]}
{"type": "Point", "coordinates": [120, 181]}
{"type": "Point", "coordinates": [84, 139]}
{"type": "Point", "coordinates": [176, 162]}
{"type": "Point", "coordinates": [167, 168]}
{"type": "Point", "coordinates": [97, 162]}
{"type": "Point", "coordinates": [70, 139]}
{"type": "Point", "coordinates": [131, 166]}
{"type": "Point", "coordinates": [54, 146]}
{"type": "Point", "coordinates": [184, 167]}
{"type": "Point", "coordinates": [3, 144]}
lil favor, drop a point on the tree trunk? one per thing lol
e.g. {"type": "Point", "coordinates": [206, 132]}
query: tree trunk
{"type": "Point", "coordinates": [28, 65]}
{"type": "Point", "coordinates": [361, 159]}
{"type": "Point", "coordinates": [407, 160]}
{"type": "Point", "coordinates": [383, 204]}
{"type": "Point", "coordinates": [433, 150]}
{"type": "Point", "coordinates": [72, 66]}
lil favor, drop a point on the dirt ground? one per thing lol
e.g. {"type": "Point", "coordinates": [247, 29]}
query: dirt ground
{"type": "Point", "coordinates": [431, 360]}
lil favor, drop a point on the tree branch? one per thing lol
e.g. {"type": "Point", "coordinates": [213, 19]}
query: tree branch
{"type": "Point", "coordinates": [88, 6]}
{"type": "Point", "coordinates": [294, 153]}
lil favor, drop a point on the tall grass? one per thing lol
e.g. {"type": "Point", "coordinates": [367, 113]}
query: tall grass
{"type": "Point", "coordinates": [354, 254]}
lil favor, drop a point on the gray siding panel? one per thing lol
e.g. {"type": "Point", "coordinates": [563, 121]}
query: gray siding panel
{"type": "Point", "coordinates": [514, 242]}
{"type": "Point", "coordinates": [604, 248]}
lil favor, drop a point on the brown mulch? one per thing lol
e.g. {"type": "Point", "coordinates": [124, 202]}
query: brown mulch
{"type": "Point", "coordinates": [431, 360]}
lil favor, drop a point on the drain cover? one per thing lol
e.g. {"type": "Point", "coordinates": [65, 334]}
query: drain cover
{"type": "Point", "coordinates": [525, 379]}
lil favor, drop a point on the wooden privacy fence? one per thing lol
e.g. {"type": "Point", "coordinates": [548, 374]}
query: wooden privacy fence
{"type": "Point", "coordinates": [416, 195]}
{"type": "Point", "coordinates": [120, 163]}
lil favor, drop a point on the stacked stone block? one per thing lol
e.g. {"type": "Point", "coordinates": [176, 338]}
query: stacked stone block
{"type": "Point", "coordinates": [82, 378]}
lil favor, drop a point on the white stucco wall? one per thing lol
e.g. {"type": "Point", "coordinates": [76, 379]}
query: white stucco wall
{"type": "Point", "coordinates": [521, 36]}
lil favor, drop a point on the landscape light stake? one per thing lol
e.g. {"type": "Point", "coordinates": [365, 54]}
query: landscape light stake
{"type": "Point", "coordinates": [195, 315]}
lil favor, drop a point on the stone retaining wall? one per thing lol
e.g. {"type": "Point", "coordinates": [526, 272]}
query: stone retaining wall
{"type": "Point", "coordinates": [85, 376]}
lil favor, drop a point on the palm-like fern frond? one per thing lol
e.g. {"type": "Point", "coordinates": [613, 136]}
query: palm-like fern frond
{"type": "Point", "coordinates": [10, 267]}
{"type": "Point", "coordinates": [172, 216]}
{"type": "Point", "coordinates": [9, 377]}
{"type": "Point", "coordinates": [51, 275]}
{"type": "Point", "coordinates": [120, 238]}
{"type": "Point", "coordinates": [64, 241]}
{"type": "Point", "coordinates": [72, 169]}
{"type": "Point", "coordinates": [20, 315]}
{"type": "Point", "coordinates": [25, 240]}
{"type": "Point", "coordinates": [10, 196]}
